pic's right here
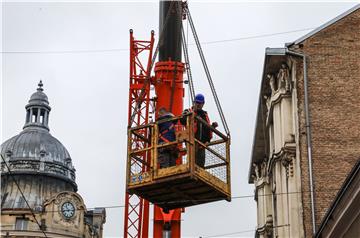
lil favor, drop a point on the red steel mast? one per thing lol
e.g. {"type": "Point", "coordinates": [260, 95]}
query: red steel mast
{"type": "Point", "coordinates": [168, 83]}
{"type": "Point", "coordinates": [169, 92]}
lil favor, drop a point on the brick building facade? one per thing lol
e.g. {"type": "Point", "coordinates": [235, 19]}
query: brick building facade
{"type": "Point", "coordinates": [307, 136]}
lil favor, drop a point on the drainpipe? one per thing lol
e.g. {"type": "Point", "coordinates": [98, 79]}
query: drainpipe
{"type": "Point", "coordinates": [308, 135]}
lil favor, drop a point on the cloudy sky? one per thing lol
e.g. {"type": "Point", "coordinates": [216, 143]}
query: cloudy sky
{"type": "Point", "coordinates": [80, 51]}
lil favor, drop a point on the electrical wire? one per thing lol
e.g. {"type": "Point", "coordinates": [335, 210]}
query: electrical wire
{"type": "Point", "coordinates": [201, 200]}
{"type": "Point", "coordinates": [255, 36]}
{"type": "Point", "coordinates": [126, 50]}
{"type": "Point", "coordinates": [229, 234]}
{"type": "Point", "coordinates": [240, 232]}
{"type": "Point", "coordinates": [64, 51]}
{"type": "Point", "coordinates": [23, 196]}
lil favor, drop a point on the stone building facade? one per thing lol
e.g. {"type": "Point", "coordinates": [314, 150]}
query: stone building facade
{"type": "Point", "coordinates": [307, 135]}
{"type": "Point", "coordinates": [38, 188]}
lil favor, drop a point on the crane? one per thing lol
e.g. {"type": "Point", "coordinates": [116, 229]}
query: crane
{"type": "Point", "coordinates": [169, 189]}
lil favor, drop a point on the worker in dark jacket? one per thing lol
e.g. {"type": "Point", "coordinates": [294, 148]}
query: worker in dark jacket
{"type": "Point", "coordinates": [166, 155]}
{"type": "Point", "coordinates": [202, 132]}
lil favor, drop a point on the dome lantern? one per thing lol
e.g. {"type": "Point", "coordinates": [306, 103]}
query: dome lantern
{"type": "Point", "coordinates": [37, 110]}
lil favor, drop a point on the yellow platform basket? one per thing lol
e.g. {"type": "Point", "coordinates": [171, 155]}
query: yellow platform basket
{"type": "Point", "coordinates": [187, 183]}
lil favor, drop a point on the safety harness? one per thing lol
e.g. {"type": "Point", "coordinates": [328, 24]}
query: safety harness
{"type": "Point", "coordinates": [195, 122]}
{"type": "Point", "coordinates": [161, 135]}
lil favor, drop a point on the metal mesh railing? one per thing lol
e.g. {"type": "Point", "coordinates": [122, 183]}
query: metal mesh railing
{"type": "Point", "coordinates": [216, 150]}
{"type": "Point", "coordinates": [149, 153]}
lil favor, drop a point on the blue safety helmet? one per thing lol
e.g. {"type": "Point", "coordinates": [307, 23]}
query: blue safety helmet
{"type": "Point", "coordinates": [199, 98]}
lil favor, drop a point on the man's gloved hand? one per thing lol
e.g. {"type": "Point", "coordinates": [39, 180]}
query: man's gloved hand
{"type": "Point", "coordinates": [186, 111]}
{"type": "Point", "coordinates": [214, 124]}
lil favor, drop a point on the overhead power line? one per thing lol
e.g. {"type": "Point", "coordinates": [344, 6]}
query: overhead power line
{"type": "Point", "coordinates": [209, 200]}
{"type": "Point", "coordinates": [126, 49]}
{"type": "Point", "coordinates": [175, 201]}
{"type": "Point", "coordinates": [240, 232]}
{"type": "Point", "coordinates": [64, 51]}
{"type": "Point", "coordinates": [256, 36]}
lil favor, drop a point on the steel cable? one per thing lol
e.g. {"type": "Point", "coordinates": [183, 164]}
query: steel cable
{"type": "Point", "coordinates": [207, 72]}
{"type": "Point", "coordinates": [187, 67]}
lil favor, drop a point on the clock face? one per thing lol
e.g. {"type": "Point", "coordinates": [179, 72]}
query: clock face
{"type": "Point", "coordinates": [68, 210]}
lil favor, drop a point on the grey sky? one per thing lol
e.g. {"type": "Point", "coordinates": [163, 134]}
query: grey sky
{"type": "Point", "coordinates": [88, 91]}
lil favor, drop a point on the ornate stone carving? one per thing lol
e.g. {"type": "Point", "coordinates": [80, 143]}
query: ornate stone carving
{"type": "Point", "coordinates": [280, 84]}
{"type": "Point", "coordinates": [55, 168]}
{"type": "Point", "coordinates": [8, 153]}
{"type": "Point", "coordinates": [288, 162]}
{"type": "Point", "coordinates": [72, 175]}
{"type": "Point", "coordinates": [272, 83]}
{"type": "Point", "coordinates": [283, 77]}
{"type": "Point", "coordinates": [268, 104]}
{"type": "Point", "coordinates": [266, 231]}
{"type": "Point", "coordinates": [257, 171]}
{"type": "Point", "coordinates": [21, 165]}
{"type": "Point", "coordinates": [273, 186]}
{"type": "Point", "coordinates": [260, 169]}
{"type": "Point", "coordinates": [264, 168]}
{"type": "Point", "coordinates": [269, 225]}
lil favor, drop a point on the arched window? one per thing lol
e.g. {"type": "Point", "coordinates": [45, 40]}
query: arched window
{"type": "Point", "coordinates": [42, 116]}
{"type": "Point", "coordinates": [34, 114]}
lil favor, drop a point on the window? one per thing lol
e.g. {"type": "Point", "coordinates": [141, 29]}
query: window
{"type": "Point", "coordinates": [21, 202]}
{"type": "Point", "coordinates": [42, 116]}
{"type": "Point", "coordinates": [34, 114]}
{"type": "Point", "coordinates": [3, 198]}
{"type": "Point", "coordinates": [27, 116]}
{"type": "Point", "coordinates": [21, 224]}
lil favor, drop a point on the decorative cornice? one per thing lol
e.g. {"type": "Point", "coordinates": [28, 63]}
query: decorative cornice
{"type": "Point", "coordinates": [286, 155]}
{"type": "Point", "coordinates": [39, 167]}
{"type": "Point", "coordinates": [266, 229]}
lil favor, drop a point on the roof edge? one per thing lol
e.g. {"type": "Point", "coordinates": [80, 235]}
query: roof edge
{"type": "Point", "coordinates": [323, 26]}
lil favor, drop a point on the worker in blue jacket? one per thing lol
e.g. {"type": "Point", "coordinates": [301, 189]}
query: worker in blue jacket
{"type": "Point", "coordinates": [166, 155]}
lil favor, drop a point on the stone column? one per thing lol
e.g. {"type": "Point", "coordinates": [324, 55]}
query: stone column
{"type": "Point", "coordinates": [38, 116]}
{"type": "Point", "coordinates": [277, 128]}
{"type": "Point", "coordinates": [31, 115]}
{"type": "Point", "coordinates": [281, 200]}
{"type": "Point", "coordinates": [46, 118]}
{"type": "Point", "coordinates": [271, 140]}
{"type": "Point", "coordinates": [286, 120]}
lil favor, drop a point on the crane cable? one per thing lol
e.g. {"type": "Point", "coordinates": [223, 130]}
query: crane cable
{"type": "Point", "coordinates": [187, 67]}
{"type": "Point", "coordinates": [148, 73]}
{"type": "Point", "coordinates": [217, 102]}
{"type": "Point", "coordinates": [187, 62]}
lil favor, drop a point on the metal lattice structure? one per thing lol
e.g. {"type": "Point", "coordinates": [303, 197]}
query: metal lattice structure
{"type": "Point", "coordinates": [136, 217]}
